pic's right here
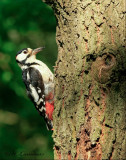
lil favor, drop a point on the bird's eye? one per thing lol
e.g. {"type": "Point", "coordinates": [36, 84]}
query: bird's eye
{"type": "Point", "coordinates": [25, 52]}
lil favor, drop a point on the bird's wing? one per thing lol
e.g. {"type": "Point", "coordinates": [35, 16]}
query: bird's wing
{"type": "Point", "coordinates": [35, 87]}
{"type": "Point", "coordinates": [36, 91]}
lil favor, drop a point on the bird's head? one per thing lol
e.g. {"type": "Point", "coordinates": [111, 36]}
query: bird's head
{"type": "Point", "coordinates": [27, 55]}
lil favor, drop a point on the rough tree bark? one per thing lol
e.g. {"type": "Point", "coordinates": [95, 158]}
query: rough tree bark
{"type": "Point", "coordinates": [90, 79]}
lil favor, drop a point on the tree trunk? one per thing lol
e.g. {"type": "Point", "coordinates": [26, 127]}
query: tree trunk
{"type": "Point", "coordinates": [90, 80]}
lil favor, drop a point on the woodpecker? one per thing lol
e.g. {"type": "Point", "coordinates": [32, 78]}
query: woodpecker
{"type": "Point", "coordinates": [39, 83]}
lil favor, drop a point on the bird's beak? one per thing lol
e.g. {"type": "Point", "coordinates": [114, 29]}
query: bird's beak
{"type": "Point", "coordinates": [35, 51]}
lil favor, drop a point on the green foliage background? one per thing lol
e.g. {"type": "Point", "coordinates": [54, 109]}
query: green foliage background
{"type": "Point", "coordinates": [23, 133]}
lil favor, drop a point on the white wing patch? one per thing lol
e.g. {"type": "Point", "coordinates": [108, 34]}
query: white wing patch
{"type": "Point", "coordinates": [34, 93]}
{"type": "Point", "coordinates": [28, 76]}
{"type": "Point", "coordinates": [41, 100]}
{"type": "Point", "coordinates": [41, 109]}
{"type": "Point", "coordinates": [39, 90]}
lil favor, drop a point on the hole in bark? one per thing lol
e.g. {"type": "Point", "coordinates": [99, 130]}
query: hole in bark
{"type": "Point", "coordinates": [86, 96]}
{"type": "Point", "coordinates": [60, 43]}
{"type": "Point", "coordinates": [69, 152]}
{"type": "Point", "coordinates": [110, 157]}
{"type": "Point", "coordinates": [104, 89]}
{"type": "Point", "coordinates": [96, 103]}
{"type": "Point", "coordinates": [57, 148]}
{"type": "Point", "coordinates": [109, 85]}
{"type": "Point", "coordinates": [113, 141]}
{"type": "Point", "coordinates": [108, 126]}
{"type": "Point", "coordinates": [64, 8]}
{"type": "Point", "coordinates": [71, 117]}
{"type": "Point", "coordinates": [86, 27]}
{"type": "Point", "coordinates": [86, 72]}
{"type": "Point", "coordinates": [86, 114]}
{"type": "Point", "coordinates": [99, 24]}
{"type": "Point", "coordinates": [97, 139]}
{"type": "Point", "coordinates": [75, 155]}
{"type": "Point", "coordinates": [87, 132]}
{"type": "Point", "coordinates": [59, 112]}
{"type": "Point", "coordinates": [75, 11]}
{"type": "Point", "coordinates": [77, 139]}
{"type": "Point", "coordinates": [89, 86]}
{"type": "Point", "coordinates": [78, 35]}
{"type": "Point", "coordinates": [108, 60]}
{"type": "Point", "coordinates": [117, 114]}
{"type": "Point", "coordinates": [85, 40]}
{"type": "Point", "coordinates": [91, 57]}
{"type": "Point", "coordinates": [93, 145]}
{"type": "Point", "coordinates": [76, 47]}
{"type": "Point", "coordinates": [57, 12]}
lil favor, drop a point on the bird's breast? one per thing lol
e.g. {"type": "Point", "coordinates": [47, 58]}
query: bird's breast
{"type": "Point", "coordinates": [47, 77]}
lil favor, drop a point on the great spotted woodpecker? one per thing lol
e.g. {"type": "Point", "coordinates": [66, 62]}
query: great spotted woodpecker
{"type": "Point", "coordinates": [38, 80]}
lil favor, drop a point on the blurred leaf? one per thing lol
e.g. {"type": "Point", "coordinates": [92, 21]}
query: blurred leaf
{"type": "Point", "coordinates": [8, 117]}
{"type": "Point", "coordinates": [6, 76]}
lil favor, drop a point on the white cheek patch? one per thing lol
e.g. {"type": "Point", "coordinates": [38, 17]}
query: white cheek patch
{"type": "Point", "coordinates": [34, 93]}
{"type": "Point", "coordinates": [21, 57]}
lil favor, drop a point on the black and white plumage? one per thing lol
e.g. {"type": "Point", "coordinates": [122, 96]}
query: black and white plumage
{"type": "Point", "coordinates": [38, 80]}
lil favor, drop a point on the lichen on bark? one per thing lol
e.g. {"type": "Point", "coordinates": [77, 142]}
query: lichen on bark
{"type": "Point", "coordinates": [90, 81]}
